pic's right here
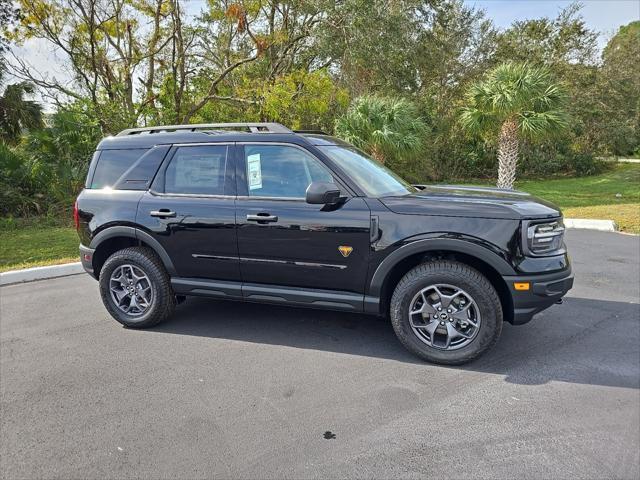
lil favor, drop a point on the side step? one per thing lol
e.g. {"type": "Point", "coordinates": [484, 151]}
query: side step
{"type": "Point", "coordinates": [302, 297]}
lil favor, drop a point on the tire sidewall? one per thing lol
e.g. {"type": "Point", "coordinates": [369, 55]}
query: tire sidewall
{"type": "Point", "coordinates": [147, 266]}
{"type": "Point", "coordinates": [486, 300]}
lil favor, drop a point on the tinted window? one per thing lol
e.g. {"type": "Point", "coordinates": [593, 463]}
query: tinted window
{"type": "Point", "coordinates": [112, 164]}
{"type": "Point", "coordinates": [197, 170]}
{"type": "Point", "coordinates": [281, 171]}
{"type": "Point", "coordinates": [92, 168]}
{"type": "Point", "coordinates": [140, 175]}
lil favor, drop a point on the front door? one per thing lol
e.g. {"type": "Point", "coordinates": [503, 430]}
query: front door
{"type": "Point", "coordinates": [190, 210]}
{"type": "Point", "coordinates": [282, 240]}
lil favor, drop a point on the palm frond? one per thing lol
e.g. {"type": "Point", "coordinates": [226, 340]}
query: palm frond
{"type": "Point", "coordinates": [388, 125]}
{"type": "Point", "coordinates": [515, 91]}
{"type": "Point", "coordinates": [18, 113]}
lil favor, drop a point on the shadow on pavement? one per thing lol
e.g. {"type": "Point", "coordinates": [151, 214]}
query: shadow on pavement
{"type": "Point", "coordinates": [582, 341]}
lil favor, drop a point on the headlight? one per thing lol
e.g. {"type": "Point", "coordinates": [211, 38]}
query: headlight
{"type": "Point", "coordinates": [543, 238]}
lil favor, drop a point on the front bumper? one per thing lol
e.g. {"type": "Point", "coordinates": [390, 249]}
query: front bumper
{"type": "Point", "coordinates": [86, 258]}
{"type": "Point", "coordinates": [544, 291]}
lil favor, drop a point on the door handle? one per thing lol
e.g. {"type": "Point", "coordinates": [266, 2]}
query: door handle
{"type": "Point", "coordinates": [262, 217]}
{"type": "Point", "coordinates": [162, 213]}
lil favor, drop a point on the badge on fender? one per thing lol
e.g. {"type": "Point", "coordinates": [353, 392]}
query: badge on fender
{"type": "Point", "coordinates": [345, 250]}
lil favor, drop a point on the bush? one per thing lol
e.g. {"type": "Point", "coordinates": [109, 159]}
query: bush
{"type": "Point", "coordinates": [584, 164]}
{"type": "Point", "coordinates": [558, 158]}
{"type": "Point", "coordinates": [44, 173]}
{"type": "Point", "coordinates": [18, 188]}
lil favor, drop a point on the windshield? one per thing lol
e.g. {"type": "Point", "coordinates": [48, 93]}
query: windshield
{"type": "Point", "coordinates": [374, 179]}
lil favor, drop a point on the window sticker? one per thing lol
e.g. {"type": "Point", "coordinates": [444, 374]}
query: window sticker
{"type": "Point", "coordinates": [254, 171]}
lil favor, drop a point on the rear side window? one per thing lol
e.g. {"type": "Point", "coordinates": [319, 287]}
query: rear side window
{"type": "Point", "coordinates": [112, 164]}
{"type": "Point", "coordinates": [198, 170]}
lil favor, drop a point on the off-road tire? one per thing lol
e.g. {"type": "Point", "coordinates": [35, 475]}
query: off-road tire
{"type": "Point", "coordinates": [459, 275]}
{"type": "Point", "coordinates": [164, 299]}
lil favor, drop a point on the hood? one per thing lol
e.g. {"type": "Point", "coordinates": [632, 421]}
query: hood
{"type": "Point", "coordinates": [466, 201]}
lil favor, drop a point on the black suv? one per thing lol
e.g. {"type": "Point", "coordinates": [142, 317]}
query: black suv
{"type": "Point", "coordinates": [257, 212]}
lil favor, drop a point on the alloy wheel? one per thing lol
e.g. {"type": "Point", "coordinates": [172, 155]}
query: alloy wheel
{"type": "Point", "coordinates": [131, 289]}
{"type": "Point", "coordinates": [444, 316]}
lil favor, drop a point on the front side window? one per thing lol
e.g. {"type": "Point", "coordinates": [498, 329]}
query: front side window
{"type": "Point", "coordinates": [281, 171]}
{"type": "Point", "coordinates": [374, 179]}
{"type": "Point", "coordinates": [198, 170]}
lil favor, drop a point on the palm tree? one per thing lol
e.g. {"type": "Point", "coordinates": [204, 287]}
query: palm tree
{"type": "Point", "coordinates": [16, 113]}
{"type": "Point", "coordinates": [383, 127]}
{"type": "Point", "coordinates": [514, 100]}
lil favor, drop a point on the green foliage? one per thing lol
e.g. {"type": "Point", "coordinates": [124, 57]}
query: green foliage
{"type": "Point", "coordinates": [367, 40]}
{"type": "Point", "coordinates": [618, 96]}
{"type": "Point", "coordinates": [556, 43]}
{"type": "Point", "coordinates": [62, 153]}
{"type": "Point", "coordinates": [517, 100]}
{"type": "Point", "coordinates": [384, 127]}
{"type": "Point", "coordinates": [304, 100]}
{"type": "Point", "coordinates": [16, 112]}
{"type": "Point", "coordinates": [18, 191]}
{"type": "Point", "coordinates": [454, 47]}
{"type": "Point", "coordinates": [47, 170]}
{"type": "Point", "coordinates": [516, 91]}
{"type": "Point", "coordinates": [543, 159]}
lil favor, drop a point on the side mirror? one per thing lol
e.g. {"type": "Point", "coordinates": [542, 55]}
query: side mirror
{"type": "Point", "coordinates": [323, 193]}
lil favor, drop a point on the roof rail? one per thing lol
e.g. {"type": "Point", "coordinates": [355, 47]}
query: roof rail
{"type": "Point", "coordinates": [311, 132]}
{"type": "Point", "coordinates": [260, 127]}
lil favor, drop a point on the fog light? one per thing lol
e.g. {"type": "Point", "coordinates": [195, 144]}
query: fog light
{"type": "Point", "coordinates": [521, 286]}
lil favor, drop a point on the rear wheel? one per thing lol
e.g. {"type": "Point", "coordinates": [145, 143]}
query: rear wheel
{"type": "Point", "coordinates": [136, 289]}
{"type": "Point", "coordinates": [446, 312]}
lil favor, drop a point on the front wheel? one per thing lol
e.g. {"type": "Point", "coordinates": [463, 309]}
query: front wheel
{"type": "Point", "coordinates": [446, 312]}
{"type": "Point", "coordinates": [136, 288]}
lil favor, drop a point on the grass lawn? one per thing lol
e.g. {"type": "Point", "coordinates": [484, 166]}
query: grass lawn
{"type": "Point", "coordinates": [613, 195]}
{"type": "Point", "coordinates": [36, 242]}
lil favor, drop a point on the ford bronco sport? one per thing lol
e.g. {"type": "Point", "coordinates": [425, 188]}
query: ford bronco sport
{"type": "Point", "coordinates": [257, 212]}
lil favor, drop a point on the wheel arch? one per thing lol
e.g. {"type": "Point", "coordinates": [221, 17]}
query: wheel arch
{"type": "Point", "coordinates": [112, 239]}
{"type": "Point", "coordinates": [396, 265]}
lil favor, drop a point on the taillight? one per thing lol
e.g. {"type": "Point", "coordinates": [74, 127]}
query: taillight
{"type": "Point", "coordinates": [76, 217]}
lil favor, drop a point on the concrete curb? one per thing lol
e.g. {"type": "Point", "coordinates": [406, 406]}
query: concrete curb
{"type": "Point", "coordinates": [587, 223]}
{"type": "Point", "coordinates": [40, 273]}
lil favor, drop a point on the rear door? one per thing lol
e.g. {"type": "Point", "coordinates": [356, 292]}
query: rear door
{"type": "Point", "coordinates": [283, 240]}
{"type": "Point", "coordinates": [190, 210]}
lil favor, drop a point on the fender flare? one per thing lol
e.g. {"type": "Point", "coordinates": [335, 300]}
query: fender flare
{"type": "Point", "coordinates": [433, 244]}
{"type": "Point", "coordinates": [137, 234]}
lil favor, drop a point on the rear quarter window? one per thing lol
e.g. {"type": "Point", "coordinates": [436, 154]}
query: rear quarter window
{"type": "Point", "coordinates": [111, 164]}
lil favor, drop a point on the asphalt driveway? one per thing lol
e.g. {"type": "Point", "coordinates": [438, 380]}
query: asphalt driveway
{"type": "Point", "coordinates": [232, 390]}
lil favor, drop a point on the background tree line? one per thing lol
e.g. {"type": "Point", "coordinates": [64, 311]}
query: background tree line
{"type": "Point", "coordinates": [308, 64]}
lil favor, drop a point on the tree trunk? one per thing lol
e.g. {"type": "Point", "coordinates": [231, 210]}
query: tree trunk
{"type": "Point", "coordinates": [507, 154]}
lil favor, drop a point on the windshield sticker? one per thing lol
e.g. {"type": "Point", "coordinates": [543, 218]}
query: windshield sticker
{"type": "Point", "coordinates": [254, 171]}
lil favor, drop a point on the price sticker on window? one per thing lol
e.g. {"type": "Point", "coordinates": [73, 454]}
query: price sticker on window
{"type": "Point", "coordinates": [254, 171]}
